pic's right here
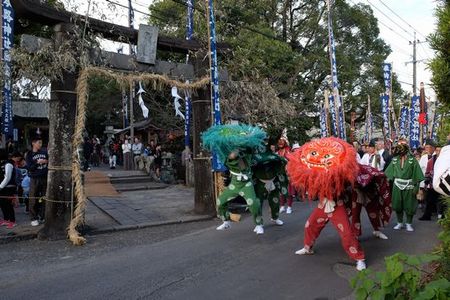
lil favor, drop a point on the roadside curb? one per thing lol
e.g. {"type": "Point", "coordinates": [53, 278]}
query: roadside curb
{"type": "Point", "coordinates": [92, 232]}
{"type": "Point", "coordinates": [148, 224]}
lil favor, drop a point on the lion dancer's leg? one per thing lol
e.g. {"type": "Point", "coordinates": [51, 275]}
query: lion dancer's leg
{"type": "Point", "coordinates": [339, 218]}
{"type": "Point", "coordinates": [356, 213]}
{"type": "Point", "coordinates": [287, 193]}
{"type": "Point", "coordinates": [373, 211]}
{"type": "Point", "coordinates": [274, 204]}
{"type": "Point", "coordinates": [349, 242]}
{"type": "Point", "coordinates": [254, 205]}
{"type": "Point", "coordinates": [222, 205]}
{"type": "Point", "coordinates": [313, 226]}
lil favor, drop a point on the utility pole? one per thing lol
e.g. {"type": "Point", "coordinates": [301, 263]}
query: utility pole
{"type": "Point", "coordinates": [415, 61]}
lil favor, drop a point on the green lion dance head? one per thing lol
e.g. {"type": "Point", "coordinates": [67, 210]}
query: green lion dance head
{"type": "Point", "coordinates": [224, 139]}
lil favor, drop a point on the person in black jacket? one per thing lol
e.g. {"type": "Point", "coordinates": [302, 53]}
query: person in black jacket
{"type": "Point", "coordinates": [37, 163]}
{"type": "Point", "coordinates": [7, 190]}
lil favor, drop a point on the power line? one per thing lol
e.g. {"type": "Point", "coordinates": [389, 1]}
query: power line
{"type": "Point", "coordinates": [390, 28]}
{"type": "Point", "coordinates": [388, 17]}
{"type": "Point", "coordinates": [136, 10]}
{"type": "Point", "coordinates": [387, 26]}
{"type": "Point", "coordinates": [384, 4]}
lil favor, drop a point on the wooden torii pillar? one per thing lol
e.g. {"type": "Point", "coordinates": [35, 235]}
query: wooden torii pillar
{"type": "Point", "coordinates": [62, 108]}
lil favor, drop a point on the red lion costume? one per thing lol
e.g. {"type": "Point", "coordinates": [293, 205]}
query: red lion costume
{"type": "Point", "coordinates": [323, 169]}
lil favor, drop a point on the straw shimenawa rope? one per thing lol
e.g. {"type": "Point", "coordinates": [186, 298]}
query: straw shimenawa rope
{"type": "Point", "coordinates": [157, 81]}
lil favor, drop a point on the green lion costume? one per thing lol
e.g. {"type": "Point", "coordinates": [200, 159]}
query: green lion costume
{"type": "Point", "coordinates": [234, 145]}
{"type": "Point", "coordinates": [270, 180]}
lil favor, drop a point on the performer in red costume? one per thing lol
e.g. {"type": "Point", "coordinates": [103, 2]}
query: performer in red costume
{"type": "Point", "coordinates": [284, 151]}
{"type": "Point", "coordinates": [322, 169]}
{"type": "Point", "coordinates": [371, 191]}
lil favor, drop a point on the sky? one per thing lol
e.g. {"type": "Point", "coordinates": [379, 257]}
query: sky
{"type": "Point", "coordinates": [398, 19]}
{"type": "Point", "coordinates": [419, 17]}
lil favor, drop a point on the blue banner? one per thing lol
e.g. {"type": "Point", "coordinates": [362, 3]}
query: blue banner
{"type": "Point", "coordinates": [341, 133]}
{"type": "Point", "coordinates": [332, 46]}
{"type": "Point", "coordinates": [188, 101]}
{"type": "Point", "coordinates": [414, 127]}
{"type": "Point", "coordinates": [334, 128]}
{"type": "Point", "coordinates": [342, 130]}
{"type": "Point", "coordinates": [190, 19]}
{"type": "Point", "coordinates": [8, 41]}
{"type": "Point", "coordinates": [385, 114]}
{"type": "Point", "coordinates": [403, 123]}
{"type": "Point", "coordinates": [323, 122]}
{"type": "Point", "coordinates": [387, 74]}
{"type": "Point", "coordinates": [217, 165]}
{"type": "Point", "coordinates": [435, 127]}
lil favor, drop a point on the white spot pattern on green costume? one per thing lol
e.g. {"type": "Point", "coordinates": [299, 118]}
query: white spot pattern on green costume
{"type": "Point", "coordinates": [231, 187]}
{"type": "Point", "coordinates": [250, 201]}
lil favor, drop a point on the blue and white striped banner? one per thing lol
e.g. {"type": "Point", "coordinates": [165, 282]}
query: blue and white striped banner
{"type": "Point", "coordinates": [7, 44]}
{"type": "Point", "coordinates": [323, 122]}
{"type": "Point", "coordinates": [217, 165]}
{"type": "Point", "coordinates": [414, 127]}
{"type": "Point", "coordinates": [403, 123]}
{"type": "Point", "coordinates": [188, 100]}
{"type": "Point", "coordinates": [334, 128]}
{"type": "Point", "coordinates": [387, 74]}
{"type": "Point", "coordinates": [368, 133]}
{"type": "Point", "coordinates": [214, 67]}
{"type": "Point", "coordinates": [436, 123]}
{"type": "Point", "coordinates": [334, 75]}
{"type": "Point", "coordinates": [341, 123]}
{"type": "Point", "coordinates": [384, 99]}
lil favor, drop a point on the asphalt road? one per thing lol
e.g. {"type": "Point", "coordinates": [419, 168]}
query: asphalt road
{"type": "Point", "coordinates": [194, 261]}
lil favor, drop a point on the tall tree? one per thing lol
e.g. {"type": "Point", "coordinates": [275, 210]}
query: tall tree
{"type": "Point", "coordinates": [285, 42]}
{"type": "Point", "coordinates": [440, 42]}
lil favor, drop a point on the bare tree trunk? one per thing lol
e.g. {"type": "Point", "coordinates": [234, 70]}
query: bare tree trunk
{"type": "Point", "coordinates": [62, 112]}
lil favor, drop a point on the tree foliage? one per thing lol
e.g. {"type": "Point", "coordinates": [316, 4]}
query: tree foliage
{"type": "Point", "coordinates": [284, 42]}
{"type": "Point", "coordinates": [440, 42]}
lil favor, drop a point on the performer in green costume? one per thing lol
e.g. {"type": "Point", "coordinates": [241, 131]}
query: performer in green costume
{"type": "Point", "coordinates": [234, 145]}
{"type": "Point", "coordinates": [269, 178]}
{"type": "Point", "coordinates": [405, 172]}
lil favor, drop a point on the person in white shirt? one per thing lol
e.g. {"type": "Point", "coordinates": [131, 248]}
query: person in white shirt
{"type": "Point", "coordinates": [127, 160]}
{"type": "Point", "coordinates": [385, 155]}
{"type": "Point", "coordinates": [372, 158]}
{"type": "Point", "coordinates": [430, 147]}
{"type": "Point", "coordinates": [137, 149]}
{"type": "Point", "coordinates": [441, 178]}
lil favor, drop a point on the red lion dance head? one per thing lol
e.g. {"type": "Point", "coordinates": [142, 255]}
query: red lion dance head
{"type": "Point", "coordinates": [323, 168]}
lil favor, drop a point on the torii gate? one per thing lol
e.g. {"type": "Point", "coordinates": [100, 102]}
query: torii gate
{"type": "Point", "coordinates": [63, 102]}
